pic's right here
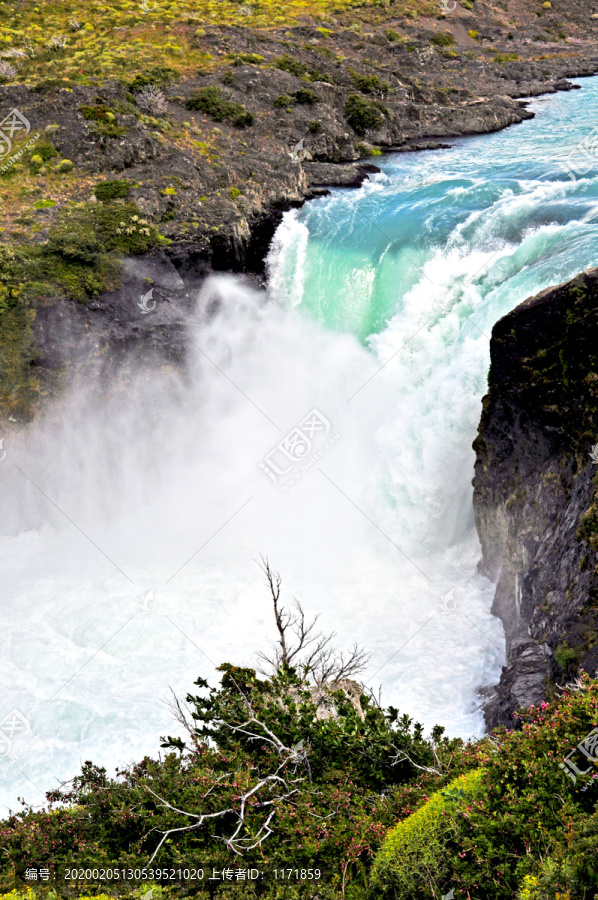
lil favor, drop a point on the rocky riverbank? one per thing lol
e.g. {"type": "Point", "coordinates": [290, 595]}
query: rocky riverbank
{"type": "Point", "coordinates": [535, 491]}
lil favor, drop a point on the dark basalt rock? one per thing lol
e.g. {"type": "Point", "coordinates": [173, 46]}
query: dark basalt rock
{"type": "Point", "coordinates": [535, 499]}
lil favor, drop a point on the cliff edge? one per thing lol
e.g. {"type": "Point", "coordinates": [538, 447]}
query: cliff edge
{"type": "Point", "coordinates": [535, 491]}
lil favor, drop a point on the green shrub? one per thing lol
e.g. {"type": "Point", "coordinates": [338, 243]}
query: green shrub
{"type": "Point", "coordinates": [343, 803]}
{"type": "Point", "coordinates": [229, 79]}
{"type": "Point", "coordinates": [111, 190]}
{"type": "Point", "coordinates": [291, 64]}
{"type": "Point", "coordinates": [234, 192]}
{"type": "Point", "coordinates": [307, 97]}
{"type": "Point", "coordinates": [369, 84]}
{"type": "Point", "coordinates": [362, 114]}
{"type": "Point", "coordinates": [566, 656]}
{"type": "Point", "coordinates": [415, 854]}
{"type": "Point", "coordinates": [65, 165]}
{"type": "Point", "coordinates": [209, 100]}
{"type": "Point", "coordinates": [45, 149]}
{"type": "Point", "coordinates": [315, 126]}
{"type": "Point", "coordinates": [393, 36]}
{"type": "Point", "coordinates": [110, 131]}
{"type": "Point", "coordinates": [283, 101]}
{"type": "Point", "coordinates": [443, 39]}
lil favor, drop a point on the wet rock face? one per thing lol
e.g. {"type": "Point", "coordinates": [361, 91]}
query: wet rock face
{"type": "Point", "coordinates": [535, 491]}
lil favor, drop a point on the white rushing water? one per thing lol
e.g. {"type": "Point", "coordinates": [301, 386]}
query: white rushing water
{"type": "Point", "coordinates": [133, 516]}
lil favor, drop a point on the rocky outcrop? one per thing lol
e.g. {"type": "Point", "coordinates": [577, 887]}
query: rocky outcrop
{"type": "Point", "coordinates": [535, 484]}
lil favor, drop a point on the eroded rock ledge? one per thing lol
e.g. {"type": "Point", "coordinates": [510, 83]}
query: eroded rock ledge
{"type": "Point", "coordinates": [535, 499]}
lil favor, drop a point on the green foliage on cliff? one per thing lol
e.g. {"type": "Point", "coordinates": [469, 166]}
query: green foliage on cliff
{"type": "Point", "coordinates": [362, 114]}
{"type": "Point", "coordinates": [80, 259]}
{"type": "Point", "coordinates": [443, 39]}
{"type": "Point", "coordinates": [291, 64]}
{"type": "Point", "coordinates": [369, 84]}
{"type": "Point", "coordinates": [209, 100]}
{"type": "Point", "coordinates": [17, 384]}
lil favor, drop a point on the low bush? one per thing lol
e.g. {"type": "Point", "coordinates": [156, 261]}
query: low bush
{"type": "Point", "coordinates": [307, 97]}
{"type": "Point", "coordinates": [369, 84]}
{"type": "Point", "coordinates": [250, 59]}
{"type": "Point", "coordinates": [98, 113]}
{"type": "Point", "coordinates": [209, 100]}
{"type": "Point", "coordinates": [159, 76]}
{"type": "Point", "coordinates": [291, 64]}
{"type": "Point", "coordinates": [111, 190]}
{"type": "Point", "coordinates": [362, 114]}
{"type": "Point", "coordinates": [505, 57]}
{"type": "Point", "coordinates": [532, 830]}
{"type": "Point", "coordinates": [443, 39]}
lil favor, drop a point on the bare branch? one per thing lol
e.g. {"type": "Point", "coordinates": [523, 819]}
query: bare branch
{"type": "Point", "coordinates": [310, 652]}
{"type": "Point", "coordinates": [401, 756]}
{"type": "Point", "coordinates": [183, 717]}
{"type": "Point", "coordinates": [290, 756]}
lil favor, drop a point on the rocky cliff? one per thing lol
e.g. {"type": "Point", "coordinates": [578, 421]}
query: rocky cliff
{"type": "Point", "coordinates": [535, 491]}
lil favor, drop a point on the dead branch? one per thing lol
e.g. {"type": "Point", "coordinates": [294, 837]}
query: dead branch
{"type": "Point", "coordinates": [310, 652]}
{"type": "Point", "coordinates": [401, 756]}
{"type": "Point", "coordinates": [290, 756]}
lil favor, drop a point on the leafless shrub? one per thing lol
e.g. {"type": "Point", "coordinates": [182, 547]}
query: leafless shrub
{"type": "Point", "coordinates": [12, 53]}
{"type": "Point", "coordinates": [74, 23]}
{"type": "Point", "coordinates": [150, 99]}
{"type": "Point", "coordinates": [6, 70]}
{"type": "Point", "coordinates": [57, 42]}
{"type": "Point", "coordinates": [311, 653]}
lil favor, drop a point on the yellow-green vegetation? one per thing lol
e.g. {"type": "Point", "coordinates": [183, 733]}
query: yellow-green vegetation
{"type": "Point", "coordinates": [505, 57]}
{"type": "Point", "coordinates": [414, 854]}
{"type": "Point", "coordinates": [28, 893]}
{"type": "Point", "coordinates": [70, 42]}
